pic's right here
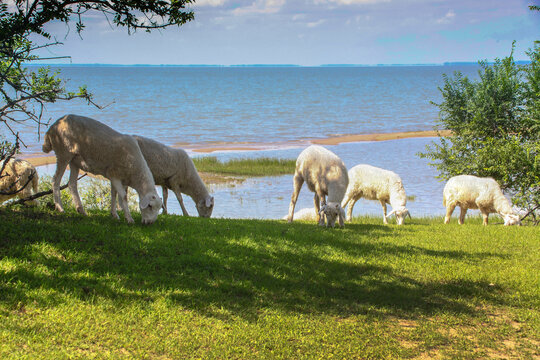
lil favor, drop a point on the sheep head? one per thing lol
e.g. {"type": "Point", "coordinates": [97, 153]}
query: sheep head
{"type": "Point", "coordinates": [400, 212]}
{"type": "Point", "coordinates": [511, 219]}
{"type": "Point", "coordinates": [150, 204]}
{"type": "Point", "coordinates": [333, 211]}
{"type": "Point", "coordinates": [205, 206]}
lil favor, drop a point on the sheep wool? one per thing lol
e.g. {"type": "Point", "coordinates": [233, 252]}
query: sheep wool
{"type": "Point", "coordinates": [89, 145]}
{"type": "Point", "coordinates": [373, 183]}
{"type": "Point", "coordinates": [472, 192]}
{"type": "Point", "coordinates": [326, 176]}
{"type": "Point", "coordinates": [173, 169]}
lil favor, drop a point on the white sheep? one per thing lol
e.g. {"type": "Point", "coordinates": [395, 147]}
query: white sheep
{"type": "Point", "coordinates": [87, 144]}
{"type": "Point", "coordinates": [18, 174]}
{"type": "Point", "coordinates": [325, 175]}
{"type": "Point", "coordinates": [373, 183]}
{"type": "Point", "coordinates": [472, 192]}
{"type": "Point", "coordinates": [306, 214]}
{"type": "Point", "coordinates": [173, 169]}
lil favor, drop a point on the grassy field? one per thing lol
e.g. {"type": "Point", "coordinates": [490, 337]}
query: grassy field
{"type": "Point", "coordinates": [92, 287]}
{"type": "Point", "coordinates": [245, 167]}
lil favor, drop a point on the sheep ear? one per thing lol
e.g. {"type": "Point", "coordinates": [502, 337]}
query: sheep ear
{"type": "Point", "coordinates": [409, 214]}
{"type": "Point", "coordinates": [321, 211]}
{"type": "Point", "coordinates": [145, 202]}
{"type": "Point", "coordinates": [209, 201]}
{"type": "Point", "coordinates": [391, 213]}
{"type": "Point", "coordinates": [337, 206]}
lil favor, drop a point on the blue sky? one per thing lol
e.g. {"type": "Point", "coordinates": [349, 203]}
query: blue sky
{"type": "Point", "coordinates": [315, 32]}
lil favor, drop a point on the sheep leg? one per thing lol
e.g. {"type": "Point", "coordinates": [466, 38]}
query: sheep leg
{"type": "Point", "coordinates": [165, 196]}
{"type": "Point", "coordinates": [114, 212]}
{"type": "Point", "coordinates": [485, 216]}
{"type": "Point", "coordinates": [317, 203]}
{"type": "Point", "coordinates": [383, 204]}
{"type": "Point", "coordinates": [449, 210]}
{"type": "Point", "coordinates": [350, 208]}
{"type": "Point", "coordinates": [298, 181]}
{"type": "Point", "coordinates": [61, 165]}
{"type": "Point", "coordinates": [178, 194]}
{"type": "Point", "coordinates": [122, 195]}
{"type": "Point", "coordinates": [72, 184]}
{"type": "Point", "coordinates": [462, 214]}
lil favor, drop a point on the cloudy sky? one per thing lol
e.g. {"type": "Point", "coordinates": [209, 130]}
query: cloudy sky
{"type": "Point", "coordinates": [315, 32]}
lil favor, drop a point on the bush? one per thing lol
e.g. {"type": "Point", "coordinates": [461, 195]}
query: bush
{"type": "Point", "coordinates": [495, 123]}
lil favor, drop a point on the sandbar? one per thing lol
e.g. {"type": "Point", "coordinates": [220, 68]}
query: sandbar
{"type": "Point", "coordinates": [39, 159]}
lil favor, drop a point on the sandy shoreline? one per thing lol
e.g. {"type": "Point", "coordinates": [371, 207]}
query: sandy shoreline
{"type": "Point", "coordinates": [39, 159]}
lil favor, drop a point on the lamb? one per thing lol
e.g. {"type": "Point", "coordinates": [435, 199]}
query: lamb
{"type": "Point", "coordinates": [325, 175]}
{"type": "Point", "coordinates": [18, 174]}
{"type": "Point", "coordinates": [307, 214]}
{"type": "Point", "coordinates": [472, 192]}
{"type": "Point", "coordinates": [173, 169]}
{"type": "Point", "coordinates": [373, 183]}
{"type": "Point", "coordinates": [87, 144]}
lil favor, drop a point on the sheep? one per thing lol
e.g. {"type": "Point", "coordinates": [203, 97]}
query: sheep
{"type": "Point", "coordinates": [325, 175]}
{"type": "Point", "coordinates": [472, 192]}
{"type": "Point", "coordinates": [87, 144]}
{"type": "Point", "coordinates": [173, 169]}
{"type": "Point", "coordinates": [307, 214]}
{"type": "Point", "coordinates": [19, 178]}
{"type": "Point", "coordinates": [373, 183]}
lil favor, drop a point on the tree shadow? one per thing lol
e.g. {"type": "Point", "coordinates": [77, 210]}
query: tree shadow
{"type": "Point", "coordinates": [241, 266]}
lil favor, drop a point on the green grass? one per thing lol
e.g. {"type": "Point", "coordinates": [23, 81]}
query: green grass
{"type": "Point", "coordinates": [245, 167]}
{"type": "Point", "coordinates": [92, 287]}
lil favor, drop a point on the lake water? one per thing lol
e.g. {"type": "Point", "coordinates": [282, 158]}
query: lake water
{"type": "Point", "coordinates": [272, 105]}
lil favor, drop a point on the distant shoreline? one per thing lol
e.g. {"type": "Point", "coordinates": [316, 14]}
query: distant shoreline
{"type": "Point", "coordinates": [40, 159]}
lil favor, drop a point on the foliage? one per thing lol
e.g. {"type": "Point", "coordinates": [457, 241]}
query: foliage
{"type": "Point", "coordinates": [95, 195]}
{"type": "Point", "coordinates": [495, 123]}
{"type": "Point", "coordinates": [24, 92]}
{"type": "Point", "coordinates": [248, 167]}
{"type": "Point", "coordinates": [195, 288]}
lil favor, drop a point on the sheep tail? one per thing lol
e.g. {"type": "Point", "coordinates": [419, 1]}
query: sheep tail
{"type": "Point", "coordinates": [47, 147]}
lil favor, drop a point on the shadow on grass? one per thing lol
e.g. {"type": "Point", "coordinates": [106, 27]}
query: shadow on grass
{"type": "Point", "coordinates": [206, 265]}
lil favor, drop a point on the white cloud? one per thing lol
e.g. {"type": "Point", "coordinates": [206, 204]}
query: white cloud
{"type": "Point", "coordinates": [315, 23]}
{"type": "Point", "coordinates": [260, 7]}
{"type": "Point", "coordinates": [350, 2]}
{"type": "Point", "coordinates": [448, 18]}
{"type": "Point", "coordinates": [212, 3]}
{"type": "Point", "coordinates": [298, 17]}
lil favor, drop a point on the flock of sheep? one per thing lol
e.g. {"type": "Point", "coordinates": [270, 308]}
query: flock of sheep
{"type": "Point", "coordinates": [141, 163]}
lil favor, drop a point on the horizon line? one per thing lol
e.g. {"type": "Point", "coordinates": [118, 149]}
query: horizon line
{"type": "Point", "coordinates": [446, 63]}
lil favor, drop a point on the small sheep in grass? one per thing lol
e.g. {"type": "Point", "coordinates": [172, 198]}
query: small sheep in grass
{"type": "Point", "coordinates": [307, 214]}
{"type": "Point", "coordinates": [18, 173]}
{"type": "Point", "coordinates": [373, 183]}
{"type": "Point", "coordinates": [325, 175]}
{"type": "Point", "coordinates": [471, 192]}
{"type": "Point", "coordinates": [87, 144]}
{"type": "Point", "coordinates": [173, 169]}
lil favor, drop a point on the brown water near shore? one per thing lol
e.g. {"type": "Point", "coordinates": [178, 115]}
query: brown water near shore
{"type": "Point", "coordinates": [39, 159]}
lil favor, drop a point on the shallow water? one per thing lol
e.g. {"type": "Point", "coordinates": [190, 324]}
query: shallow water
{"type": "Point", "coordinates": [269, 197]}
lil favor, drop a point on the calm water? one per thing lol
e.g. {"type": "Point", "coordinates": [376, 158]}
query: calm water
{"type": "Point", "coordinates": [257, 104]}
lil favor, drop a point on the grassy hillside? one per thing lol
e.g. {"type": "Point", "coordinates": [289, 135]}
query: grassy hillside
{"type": "Point", "coordinates": [84, 287]}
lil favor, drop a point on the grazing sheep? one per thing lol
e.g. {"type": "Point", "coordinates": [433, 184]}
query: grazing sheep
{"type": "Point", "coordinates": [87, 144]}
{"type": "Point", "coordinates": [18, 174]}
{"type": "Point", "coordinates": [173, 169]}
{"type": "Point", "coordinates": [471, 192]}
{"type": "Point", "coordinates": [325, 175]}
{"type": "Point", "coordinates": [372, 183]}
